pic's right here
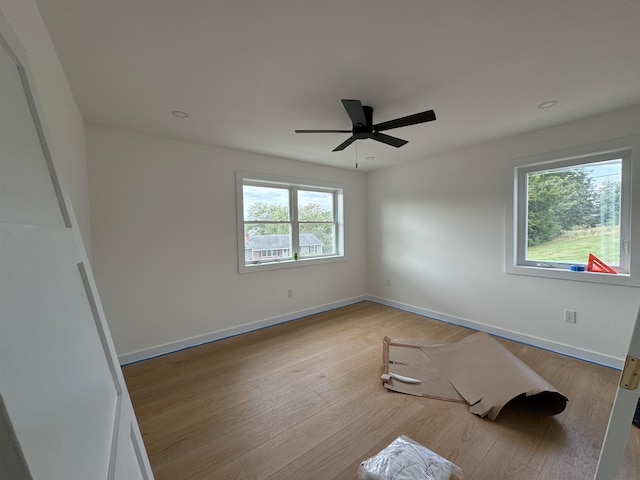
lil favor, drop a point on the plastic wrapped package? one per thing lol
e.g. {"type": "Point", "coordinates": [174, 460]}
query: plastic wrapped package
{"type": "Point", "coordinates": [406, 459]}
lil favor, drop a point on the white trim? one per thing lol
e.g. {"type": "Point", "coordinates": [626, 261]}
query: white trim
{"type": "Point", "coordinates": [581, 354]}
{"type": "Point", "coordinates": [290, 183]}
{"type": "Point", "coordinates": [172, 347]}
{"type": "Point", "coordinates": [93, 304]}
{"type": "Point", "coordinates": [135, 442]}
{"type": "Point", "coordinates": [624, 144]}
{"type": "Point", "coordinates": [13, 47]}
{"type": "Point", "coordinates": [624, 405]}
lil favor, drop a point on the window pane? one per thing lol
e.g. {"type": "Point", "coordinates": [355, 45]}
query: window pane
{"type": "Point", "coordinates": [281, 222]}
{"type": "Point", "coordinates": [317, 239]}
{"type": "Point", "coordinates": [266, 204]}
{"type": "Point", "coordinates": [265, 242]}
{"type": "Point", "coordinates": [574, 211]}
{"type": "Point", "coordinates": [315, 206]}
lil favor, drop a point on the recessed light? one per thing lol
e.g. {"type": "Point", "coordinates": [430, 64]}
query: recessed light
{"type": "Point", "coordinates": [549, 104]}
{"type": "Point", "coordinates": [179, 114]}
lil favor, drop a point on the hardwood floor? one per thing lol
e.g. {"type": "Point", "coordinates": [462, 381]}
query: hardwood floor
{"type": "Point", "coordinates": [303, 400]}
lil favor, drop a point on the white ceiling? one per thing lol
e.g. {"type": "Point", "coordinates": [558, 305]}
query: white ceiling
{"type": "Point", "coordinates": [249, 72]}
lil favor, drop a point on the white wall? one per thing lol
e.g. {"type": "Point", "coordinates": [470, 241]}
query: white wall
{"type": "Point", "coordinates": [165, 230]}
{"type": "Point", "coordinates": [164, 243]}
{"type": "Point", "coordinates": [436, 229]}
{"type": "Point", "coordinates": [62, 120]}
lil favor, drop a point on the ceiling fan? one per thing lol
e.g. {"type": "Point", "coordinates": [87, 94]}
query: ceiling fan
{"type": "Point", "coordinates": [363, 127]}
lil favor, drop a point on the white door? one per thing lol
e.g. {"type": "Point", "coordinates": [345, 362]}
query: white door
{"type": "Point", "coordinates": [624, 407]}
{"type": "Point", "coordinates": [64, 409]}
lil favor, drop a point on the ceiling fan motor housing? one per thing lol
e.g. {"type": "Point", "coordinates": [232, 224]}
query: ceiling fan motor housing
{"type": "Point", "coordinates": [361, 131]}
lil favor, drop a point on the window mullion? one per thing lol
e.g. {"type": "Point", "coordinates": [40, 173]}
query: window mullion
{"type": "Point", "coordinates": [521, 216]}
{"type": "Point", "coordinates": [625, 215]}
{"type": "Point", "coordinates": [295, 231]}
{"type": "Point", "coordinates": [336, 223]}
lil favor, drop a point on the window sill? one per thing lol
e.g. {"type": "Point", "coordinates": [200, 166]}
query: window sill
{"type": "Point", "coordinates": [302, 262]}
{"type": "Point", "coordinates": [565, 274]}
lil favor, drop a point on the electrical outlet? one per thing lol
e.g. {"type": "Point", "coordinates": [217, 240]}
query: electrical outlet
{"type": "Point", "coordinates": [570, 316]}
{"type": "Point", "coordinates": [290, 293]}
{"type": "Point", "coordinates": [388, 283]}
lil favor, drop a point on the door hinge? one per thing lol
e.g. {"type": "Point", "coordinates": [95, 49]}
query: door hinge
{"type": "Point", "coordinates": [630, 373]}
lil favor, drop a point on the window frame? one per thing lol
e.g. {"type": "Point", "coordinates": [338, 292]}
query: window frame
{"type": "Point", "coordinates": [628, 149]}
{"type": "Point", "coordinates": [292, 185]}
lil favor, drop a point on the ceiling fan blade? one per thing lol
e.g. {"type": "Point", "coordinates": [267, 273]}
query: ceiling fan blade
{"type": "Point", "coordinates": [388, 139]}
{"type": "Point", "coordinates": [345, 144]}
{"type": "Point", "coordinates": [422, 117]}
{"type": "Point", "coordinates": [323, 131]}
{"type": "Point", "coordinates": [355, 111]}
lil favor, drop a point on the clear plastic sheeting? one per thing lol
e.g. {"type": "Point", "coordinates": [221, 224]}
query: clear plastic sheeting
{"type": "Point", "coordinates": [406, 459]}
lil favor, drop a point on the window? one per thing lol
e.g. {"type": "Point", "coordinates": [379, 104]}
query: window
{"type": "Point", "coordinates": [284, 222]}
{"type": "Point", "coordinates": [566, 206]}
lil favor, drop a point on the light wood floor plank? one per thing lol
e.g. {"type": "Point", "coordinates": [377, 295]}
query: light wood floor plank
{"type": "Point", "coordinates": [631, 468]}
{"type": "Point", "coordinates": [457, 436]}
{"type": "Point", "coordinates": [207, 449]}
{"type": "Point", "coordinates": [572, 452]}
{"type": "Point", "coordinates": [278, 452]}
{"type": "Point", "coordinates": [499, 465]}
{"type": "Point", "coordinates": [330, 457]}
{"type": "Point", "coordinates": [303, 400]}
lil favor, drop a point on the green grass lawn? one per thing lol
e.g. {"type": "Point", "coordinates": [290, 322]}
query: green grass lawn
{"type": "Point", "coordinates": [575, 247]}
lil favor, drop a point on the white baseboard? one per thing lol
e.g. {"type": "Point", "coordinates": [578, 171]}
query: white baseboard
{"type": "Point", "coordinates": [586, 355]}
{"type": "Point", "coordinates": [145, 354]}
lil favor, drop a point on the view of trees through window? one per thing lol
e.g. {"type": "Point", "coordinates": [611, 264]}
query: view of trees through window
{"type": "Point", "coordinates": [267, 212]}
{"type": "Point", "coordinates": [574, 211]}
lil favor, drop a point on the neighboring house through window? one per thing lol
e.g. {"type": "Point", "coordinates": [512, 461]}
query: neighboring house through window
{"type": "Point", "coordinates": [262, 247]}
{"type": "Point", "coordinates": [284, 222]}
